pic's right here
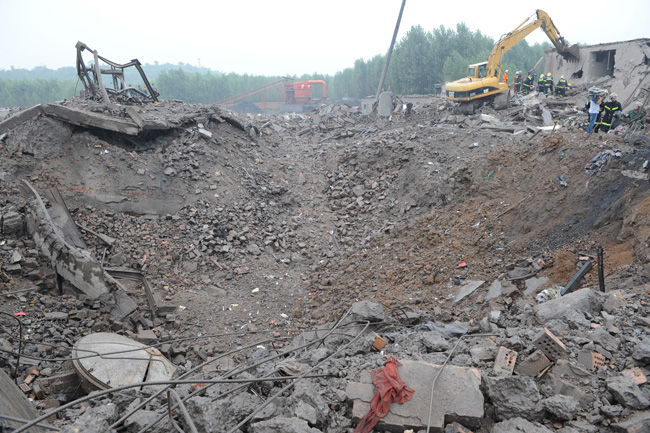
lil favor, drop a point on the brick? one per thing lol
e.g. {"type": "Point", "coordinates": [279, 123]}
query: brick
{"type": "Point", "coordinates": [379, 343]}
{"type": "Point", "coordinates": [504, 364]}
{"type": "Point", "coordinates": [533, 365]}
{"type": "Point", "coordinates": [66, 383]}
{"type": "Point", "coordinates": [29, 379]}
{"type": "Point", "coordinates": [591, 360]}
{"type": "Point", "coordinates": [552, 347]}
{"type": "Point", "coordinates": [636, 375]}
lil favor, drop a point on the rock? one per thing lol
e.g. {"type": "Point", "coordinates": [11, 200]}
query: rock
{"type": "Point", "coordinates": [486, 350]}
{"type": "Point", "coordinates": [309, 405]}
{"type": "Point", "coordinates": [514, 396]}
{"type": "Point", "coordinates": [468, 289]}
{"type": "Point", "coordinates": [519, 425]}
{"type": "Point", "coordinates": [583, 300]}
{"type": "Point", "coordinates": [147, 337]}
{"type": "Point", "coordinates": [606, 340]}
{"type": "Point", "coordinates": [614, 302]}
{"type": "Point", "coordinates": [433, 341]}
{"type": "Point", "coordinates": [94, 420]}
{"type": "Point", "coordinates": [16, 257]}
{"type": "Point", "coordinates": [12, 223]}
{"type": "Point", "coordinates": [205, 133]}
{"type": "Point", "coordinates": [637, 423]}
{"type": "Point", "coordinates": [253, 249]}
{"type": "Point", "coordinates": [611, 411]}
{"type": "Point", "coordinates": [627, 393]}
{"type": "Point", "coordinates": [282, 425]}
{"type": "Point", "coordinates": [366, 310]}
{"type": "Point", "coordinates": [562, 407]}
{"type": "Point", "coordinates": [140, 419]}
{"type": "Point", "coordinates": [642, 351]}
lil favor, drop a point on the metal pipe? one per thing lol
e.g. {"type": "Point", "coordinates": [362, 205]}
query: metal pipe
{"type": "Point", "coordinates": [186, 414]}
{"type": "Point", "coordinates": [571, 285]}
{"type": "Point", "coordinates": [187, 374]}
{"type": "Point", "coordinates": [97, 394]}
{"type": "Point", "coordinates": [601, 270]}
{"type": "Point", "coordinates": [390, 50]}
{"type": "Point", "coordinates": [151, 424]}
{"type": "Point", "coordinates": [280, 392]}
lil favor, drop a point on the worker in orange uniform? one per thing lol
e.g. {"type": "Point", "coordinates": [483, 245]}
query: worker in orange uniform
{"type": "Point", "coordinates": [505, 77]}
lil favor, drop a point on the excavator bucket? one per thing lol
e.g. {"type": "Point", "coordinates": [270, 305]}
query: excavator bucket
{"type": "Point", "coordinates": [571, 53]}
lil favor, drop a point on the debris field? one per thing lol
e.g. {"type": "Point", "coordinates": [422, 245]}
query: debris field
{"type": "Point", "coordinates": [262, 271]}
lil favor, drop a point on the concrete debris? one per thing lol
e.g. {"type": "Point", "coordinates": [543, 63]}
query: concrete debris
{"type": "Point", "coordinates": [291, 253]}
{"type": "Point", "coordinates": [456, 396]}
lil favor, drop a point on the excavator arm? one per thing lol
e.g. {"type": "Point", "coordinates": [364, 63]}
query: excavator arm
{"type": "Point", "coordinates": [520, 32]}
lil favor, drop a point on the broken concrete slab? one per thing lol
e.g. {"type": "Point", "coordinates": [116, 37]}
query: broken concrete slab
{"type": "Point", "coordinates": [73, 264]}
{"type": "Point", "coordinates": [584, 300]}
{"type": "Point", "coordinates": [637, 423]}
{"type": "Point", "coordinates": [91, 119]}
{"type": "Point", "coordinates": [533, 284]}
{"type": "Point", "coordinates": [18, 118]}
{"type": "Point", "coordinates": [456, 396]}
{"type": "Point", "coordinates": [468, 289]}
{"type": "Point", "coordinates": [498, 288]}
{"type": "Point", "coordinates": [627, 392]}
{"type": "Point", "coordinates": [14, 403]}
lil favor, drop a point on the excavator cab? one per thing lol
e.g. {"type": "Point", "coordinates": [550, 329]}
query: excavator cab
{"type": "Point", "coordinates": [477, 70]}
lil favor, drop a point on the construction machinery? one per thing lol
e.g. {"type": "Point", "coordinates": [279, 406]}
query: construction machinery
{"type": "Point", "coordinates": [483, 79]}
{"type": "Point", "coordinates": [298, 95]}
{"type": "Point", "coordinates": [301, 92]}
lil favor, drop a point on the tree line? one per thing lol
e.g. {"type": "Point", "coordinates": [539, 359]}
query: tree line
{"type": "Point", "coordinates": [420, 61]}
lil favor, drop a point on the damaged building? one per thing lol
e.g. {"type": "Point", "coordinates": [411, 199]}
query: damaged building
{"type": "Point", "coordinates": [622, 67]}
{"type": "Point", "coordinates": [171, 267]}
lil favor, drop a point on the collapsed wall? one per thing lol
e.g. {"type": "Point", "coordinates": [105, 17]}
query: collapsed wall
{"type": "Point", "coordinates": [621, 67]}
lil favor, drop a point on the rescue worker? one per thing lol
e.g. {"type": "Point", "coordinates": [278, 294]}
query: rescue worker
{"type": "Point", "coordinates": [527, 86]}
{"type": "Point", "coordinates": [561, 87]}
{"type": "Point", "coordinates": [517, 87]}
{"type": "Point", "coordinates": [505, 77]}
{"type": "Point", "coordinates": [548, 84]}
{"type": "Point", "coordinates": [594, 108]}
{"type": "Point", "coordinates": [541, 83]}
{"type": "Point", "coordinates": [636, 116]}
{"type": "Point", "coordinates": [612, 109]}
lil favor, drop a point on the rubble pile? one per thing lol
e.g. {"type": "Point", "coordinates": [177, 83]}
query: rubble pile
{"type": "Point", "coordinates": [291, 255]}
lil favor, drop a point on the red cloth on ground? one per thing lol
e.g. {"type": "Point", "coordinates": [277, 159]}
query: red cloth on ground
{"type": "Point", "coordinates": [389, 387]}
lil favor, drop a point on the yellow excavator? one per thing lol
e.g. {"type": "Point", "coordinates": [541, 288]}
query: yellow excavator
{"type": "Point", "coordinates": [483, 79]}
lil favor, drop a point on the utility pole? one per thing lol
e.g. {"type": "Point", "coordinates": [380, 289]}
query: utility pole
{"type": "Point", "coordinates": [390, 50]}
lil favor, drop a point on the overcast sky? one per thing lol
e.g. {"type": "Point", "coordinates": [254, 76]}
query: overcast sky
{"type": "Point", "coordinates": [265, 37]}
